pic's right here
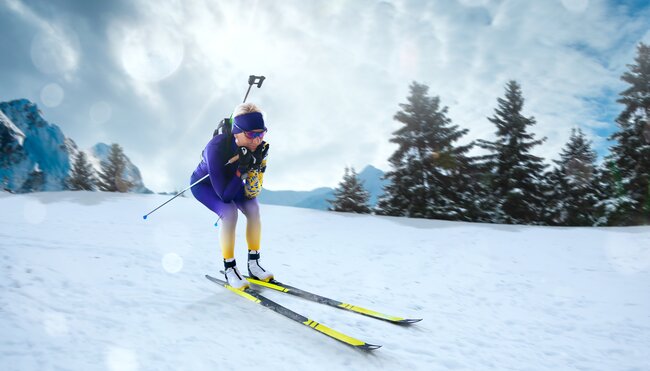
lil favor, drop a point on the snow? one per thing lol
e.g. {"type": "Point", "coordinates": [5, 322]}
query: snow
{"type": "Point", "coordinates": [16, 132]}
{"type": "Point", "coordinates": [87, 284]}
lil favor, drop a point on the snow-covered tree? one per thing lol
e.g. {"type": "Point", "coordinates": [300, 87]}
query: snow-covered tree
{"type": "Point", "coordinates": [350, 196]}
{"type": "Point", "coordinates": [431, 176]}
{"type": "Point", "coordinates": [628, 164]}
{"type": "Point", "coordinates": [516, 176]}
{"type": "Point", "coordinates": [82, 176]}
{"type": "Point", "coordinates": [575, 192]}
{"type": "Point", "coordinates": [111, 177]}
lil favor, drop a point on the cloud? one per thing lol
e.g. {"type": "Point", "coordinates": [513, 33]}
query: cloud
{"type": "Point", "coordinates": [55, 47]}
{"type": "Point", "coordinates": [337, 71]}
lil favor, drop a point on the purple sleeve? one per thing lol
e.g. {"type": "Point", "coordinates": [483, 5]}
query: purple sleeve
{"type": "Point", "coordinates": [223, 180]}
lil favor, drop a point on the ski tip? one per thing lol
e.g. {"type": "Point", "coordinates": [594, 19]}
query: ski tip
{"type": "Point", "coordinates": [212, 278]}
{"type": "Point", "coordinates": [409, 321]}
{"type": "Point", "coordinates": [368, 346]}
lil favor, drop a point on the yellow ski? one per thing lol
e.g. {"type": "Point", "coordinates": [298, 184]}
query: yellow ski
{"type": "Point", "coordinates": [257, 298]}
{"type": "Point", "coordinates": [278, 286]}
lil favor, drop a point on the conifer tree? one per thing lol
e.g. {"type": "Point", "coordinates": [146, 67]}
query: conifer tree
{"type": "Point", "coordinates": [575, 193]}
{"type": "Point", "coordinates": [111, 177]}
{"type": "Point", "coordinates": [628, 164]}
{"type": "Point", "coordinates": [516, 176]}
{"type": "Point", "coordinates": [431, 177]}
{"type": "Point", "coordinates": [82, 176]}
{"type": "Point", "coordinates": [350, 196]}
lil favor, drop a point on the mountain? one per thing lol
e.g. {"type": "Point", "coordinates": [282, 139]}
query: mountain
{"type": "Point", "coordinates": [373, 182]}
{"type": "Point", "coordinates": [31, 145]}
{"type": "Point", "coordinates": [99, 152]}
{"type": "Point", "coordinates": [317, 198]}
{"type": "Point", "coordinates": [314, 199]}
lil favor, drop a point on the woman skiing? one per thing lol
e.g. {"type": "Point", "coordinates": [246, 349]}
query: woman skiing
{"type": "Point", "coordinates": [236, 164]}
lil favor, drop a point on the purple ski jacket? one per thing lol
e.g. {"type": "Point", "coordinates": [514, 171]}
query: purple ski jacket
{"type": "Point", "coordinates": [225, 183]}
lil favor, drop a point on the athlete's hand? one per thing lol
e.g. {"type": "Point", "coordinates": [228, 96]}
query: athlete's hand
{"type": "Point", "coordinates": [260, 154]}
{"type": "Point", "coordinates": [246, 162]}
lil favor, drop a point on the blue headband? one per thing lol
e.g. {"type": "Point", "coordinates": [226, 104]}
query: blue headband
{"type": "Point", "coordinates": [248, 122]}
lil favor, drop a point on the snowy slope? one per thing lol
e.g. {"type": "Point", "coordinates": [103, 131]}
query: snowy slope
{"type": "Point", "coordinates": [88, 285]}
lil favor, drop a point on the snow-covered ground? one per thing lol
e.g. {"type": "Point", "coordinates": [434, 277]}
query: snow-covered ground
{"type": "Point", "coordinates": [87, 284]}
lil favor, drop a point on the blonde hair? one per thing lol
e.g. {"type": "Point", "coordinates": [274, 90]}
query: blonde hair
{"type": "Point", "coordinates": [245, 108]}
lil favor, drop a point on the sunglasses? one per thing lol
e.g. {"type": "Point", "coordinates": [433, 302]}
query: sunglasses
{"type": "Point", "coordinates": [253, 134]}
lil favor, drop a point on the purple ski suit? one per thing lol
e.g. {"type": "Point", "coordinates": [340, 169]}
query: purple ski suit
{"type": "Point", "coordinates": [223, 193]}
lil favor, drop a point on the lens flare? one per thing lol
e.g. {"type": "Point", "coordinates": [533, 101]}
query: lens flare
{"type": "Point", "coordinates": [52, 95]}
{"type": "Point", "coordinates": [172, 263]}
{"type": "Point", "coordinates": [151, 54]}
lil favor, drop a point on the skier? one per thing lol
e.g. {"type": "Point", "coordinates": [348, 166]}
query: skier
{"type": "Point", "coordinates": [236, 164]}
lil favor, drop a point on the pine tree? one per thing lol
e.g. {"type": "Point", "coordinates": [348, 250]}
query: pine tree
{"type": "Point", "coordinates": [111, 177]}
{"type": "Point", "coordinates": [431, 178]}
{"type": "Point", "coordinates": [350, 196]}
{"type": "Point", "coordinates": [575, 194]}
{"type": "Point", "coordinates": [82, 176]}
{"type": "Point", "coordinates": [629, 161]}
{"type": "Point", "coordinates": [516, 176]}
{"type": "Point", "coordinates": [34, 182]}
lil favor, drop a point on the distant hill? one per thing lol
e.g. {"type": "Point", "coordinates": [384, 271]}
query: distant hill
{"type": "Point", "coordinates": [317, 198]}
{"type": "Point", "coordinates": [373, 182]}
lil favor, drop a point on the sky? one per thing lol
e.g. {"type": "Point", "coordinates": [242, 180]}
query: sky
{"type": "Point", "coordinates": [157, 77]}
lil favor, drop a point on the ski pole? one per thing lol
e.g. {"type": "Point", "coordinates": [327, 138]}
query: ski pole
{"type": "Point", "coordinates": [178, 194]}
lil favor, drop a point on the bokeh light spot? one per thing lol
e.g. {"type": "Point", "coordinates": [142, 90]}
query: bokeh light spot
{"type": "Point", "coordinates": [172, 263]}
{"type": "Point", "coordinates": [52, 95]}
{"type": "Point", "coordinates": [151, 54]}
{"type": "Point", "coordinates": [120, 359]}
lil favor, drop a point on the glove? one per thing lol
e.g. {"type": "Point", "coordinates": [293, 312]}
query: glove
{"type": "Point", "coordinates": [246, 162]}
{"type": "Point", "coordinates": [253, 186]}
{"type": "Point", "coordinates": [260, 154]}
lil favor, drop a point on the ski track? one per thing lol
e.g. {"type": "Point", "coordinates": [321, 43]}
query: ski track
{"type": "Point", "coordinates": [84, 288]}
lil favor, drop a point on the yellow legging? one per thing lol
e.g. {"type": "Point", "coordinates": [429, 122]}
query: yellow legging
{"type": "Point", "coordinates": [251, 210]}
{"type": "Point", "coordinates": [227, 212]}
